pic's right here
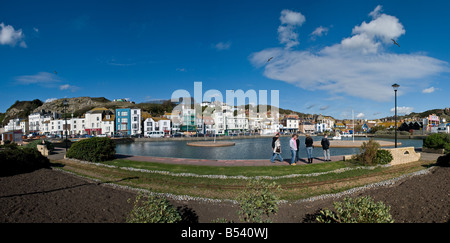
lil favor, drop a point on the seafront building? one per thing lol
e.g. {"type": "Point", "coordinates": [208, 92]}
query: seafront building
{"type": "Point", "coordinates": [153, 124]}
{"type": "Point", "coordinates": [128, 121]}
{"type": "Point", "coordinates": [216, 118]}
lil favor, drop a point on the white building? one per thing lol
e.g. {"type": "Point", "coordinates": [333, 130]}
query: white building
{"type": "Point", "coordinates": [17, 124]}
{"type": "Point", "coordinates": [37, 119]}
{"type": "Point", "coordinates": [100, 121]}
{"type": "Point", "coordinates": [324, 123]}
{"type": "Point", "coordinates": [135, 121]}
{"type": "Point", "coordinates": [290, 123]}
{"type": "Point", "coordinates": [153, 124]}
{"type": "Point", "coordinates": [57, 127]}
{"type": "Point", "coordinates": [77, 126]}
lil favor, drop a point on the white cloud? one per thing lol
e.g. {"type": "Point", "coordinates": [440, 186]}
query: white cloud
{"type": "Point", "coordinates": [50, 100]}
{"type": "Point", "coordinates": [319, 31]}
{"type": "Point", "coordinates": [41, 78]}
{"type": "Point", "coordinates": [45, 79]}
{"type": "Point", "coordinates": [428, 90]}
{"type": "Point", "coordinates": [403, 110]}
{"type": "Point", "coordinates": [360, 115]}
{"type": "Point", "coordinates": [286, 31]}
{"type": "Point", "coordinates": [358, 66]}
{"type": "Point", "coordinates": [222, 46]}
{"type": "Point", "coordinates": [384, 27]}
{"type": "Point", "coordinates": [35, 29]}
{"type": "Point", "coordinates": [10, 36]}
{"type": "Point", "coordinates": [376, 12]}
{"type": "Point", "coordinates": [68, 87]}
{"type": "Point", "coordinates": [289, 17]}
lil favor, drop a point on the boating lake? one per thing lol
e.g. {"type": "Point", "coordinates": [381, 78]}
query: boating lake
{"type": "Point", "coordinates": [255, 148]}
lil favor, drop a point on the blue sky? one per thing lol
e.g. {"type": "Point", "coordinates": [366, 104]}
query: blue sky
{"type": "Point", "coordinates": [329, 57]}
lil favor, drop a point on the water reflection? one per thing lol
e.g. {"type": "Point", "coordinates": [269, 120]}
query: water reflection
{"type": "Point", "coordinates": [257, 148]}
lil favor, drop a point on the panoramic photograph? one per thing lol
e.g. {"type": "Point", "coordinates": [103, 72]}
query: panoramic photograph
{"type": "Point", "coordinates": [208, 113]}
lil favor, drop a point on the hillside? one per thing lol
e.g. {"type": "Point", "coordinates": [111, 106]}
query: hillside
{"type": "Point", "coordinates": [77, 106]}
{"type": "Point", "coordinates": [19, 109]}
{"type": "Point", "coordinates": [442, 113]}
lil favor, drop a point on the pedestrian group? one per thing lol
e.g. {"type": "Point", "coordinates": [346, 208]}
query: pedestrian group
{"type": "Point", "coordinates": [294, 145]}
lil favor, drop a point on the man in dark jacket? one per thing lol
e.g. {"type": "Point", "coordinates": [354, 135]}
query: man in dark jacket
{"type": "Point", "coordinates": [326, 148]}
{"type": "Point", "coordinates": [309, 148]}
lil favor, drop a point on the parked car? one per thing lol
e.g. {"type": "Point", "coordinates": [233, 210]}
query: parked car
{"type": "Point", "coordinates": [177, 135]}
{"type": "Point", "coordinates": [155, 134]}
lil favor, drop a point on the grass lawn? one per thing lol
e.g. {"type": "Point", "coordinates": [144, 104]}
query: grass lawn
{"type": "Point", "coordinates": [297, 182]}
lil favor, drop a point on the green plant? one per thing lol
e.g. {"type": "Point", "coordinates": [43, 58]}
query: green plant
{"type": "Point", "coordinates": [368, 153]}
{"type": "Point", "coordinates": [444, 160]}
{"type": "Point", "coordinates": [33, 144]}
{"type": "Point", "coordinates": [438, 141]}
{"type": "Point", "coordinates": [93, 149]}
{"type": "Point", "coordinates": [258, 201]}
{"type": "Point", "coordinates": [154, 210]}
{"type": "Point", "coordinates": [357, 210]}
{"type": "Point", "coordinates": [16, 160]}
{"type": "Point", "coordinates": [383, 157]}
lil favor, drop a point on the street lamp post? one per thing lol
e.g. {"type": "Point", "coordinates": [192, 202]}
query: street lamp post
{"type": "Point", "coordinates": [395, 86]}
{"type": "Point", "coordinates": [65, 103]}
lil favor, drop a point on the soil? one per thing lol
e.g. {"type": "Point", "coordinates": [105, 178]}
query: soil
{"type": "Point", "coordinates": [48, 195]}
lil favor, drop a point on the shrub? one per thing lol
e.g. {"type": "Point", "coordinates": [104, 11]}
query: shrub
{"type": "Point", "coordinates": [444, 160]}
{"type": "Point", "coordinates": [358, 210]}
{"type": "Point", "coordinates": [258, 201]}
{"type": "Point", "coordinates": [154, 210]}
{"type": "Point", "coordinates": [33, 144]}
{"type": "Point", "coordinates": [368, 152]}
{"type": "Point", "coordinates": [15, 160]}
{"type": "Point", "coordinates": [438, 141]}
{"type": "Point", "coordinates": [93, 149]}
{"type": "Point", "coordinates": [383, 157]}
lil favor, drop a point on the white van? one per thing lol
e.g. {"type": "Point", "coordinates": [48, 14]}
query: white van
{"type": "Point", "coordinates": [155, 134]}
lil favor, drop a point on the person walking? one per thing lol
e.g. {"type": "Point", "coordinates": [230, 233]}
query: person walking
{"type": "Point", "coordinates": [326, 148]}
{"type": "Point", "coordinates": [293, 146]}
{"type": "Point", "coordinates": [309, 148]}
{"type": "Point", "coordinates": [276, 148]}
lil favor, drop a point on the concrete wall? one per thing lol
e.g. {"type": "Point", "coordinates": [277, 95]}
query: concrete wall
{"type": "Point", "coordinates": [404, 155]}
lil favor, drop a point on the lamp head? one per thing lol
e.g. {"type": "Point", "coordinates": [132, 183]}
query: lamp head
{"type": "Point", "coordinates": [395, 86]}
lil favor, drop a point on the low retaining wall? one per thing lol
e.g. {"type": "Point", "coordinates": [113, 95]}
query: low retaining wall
{"type": "Point", "coordinates": [400, 155]}
{"type": "Point", "coordinates": [43, 149]}
{"type": "Point", "coordinates": [403, 155]}
{"type": "Point", "coordinates": [434, 151]}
